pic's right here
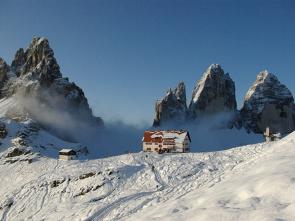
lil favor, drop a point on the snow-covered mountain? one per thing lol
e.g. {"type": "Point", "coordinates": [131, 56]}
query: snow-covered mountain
{"type": "Point", "coordinates": [254, 182]}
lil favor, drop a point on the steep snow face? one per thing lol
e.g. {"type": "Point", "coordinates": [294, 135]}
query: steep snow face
{"type": "Point", "coordinates": [247, 183]}
{"type": "Point", "coordinates": [214, 93]}
{"type": "Point", "coordinates": [268, 103]}
{"type": "Point", "coordinates": [172, 108]}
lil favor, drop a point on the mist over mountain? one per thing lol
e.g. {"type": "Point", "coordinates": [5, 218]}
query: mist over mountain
{"type": "Point", "coordinates": [268, 103]}
{"type": "Point", "coordinates": [34, 89]}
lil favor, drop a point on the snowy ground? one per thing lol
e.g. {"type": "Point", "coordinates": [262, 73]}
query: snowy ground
{"type": "Point", "coordinates": [255, 182]}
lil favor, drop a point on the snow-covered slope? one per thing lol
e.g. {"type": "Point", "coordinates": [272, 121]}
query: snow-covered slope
{"type": "Point", "coordinates": [254, 182]}
{"type": "Point", "coordinates": [259, 188]}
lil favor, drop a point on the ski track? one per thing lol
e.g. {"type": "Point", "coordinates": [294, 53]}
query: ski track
{"type": "Point", "coordinates": [167, 192]}
{"type": "Point", "coordinates": [207, 170]}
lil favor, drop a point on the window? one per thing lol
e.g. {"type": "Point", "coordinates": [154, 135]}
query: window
{"type": "Point", "coordinates": [148, 143]}
{"type": "Point", "coordinates": [148, 149]}
{"type": "Point", "coordinates": [156, 149]}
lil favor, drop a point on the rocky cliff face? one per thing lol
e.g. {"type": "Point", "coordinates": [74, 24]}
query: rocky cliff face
{"type": "Point", "coordinates": [4, 69]}
{"type": "Point", "coordinates": [214, 93]}
{"type": "Point", "coordinates": [268, 103]}
{"type": "Point", "coordinates": [18, 62]}
{"type": "Point", "coordinates": [172, 108]}
{"type": "Point", "coordinates": [40, 88]}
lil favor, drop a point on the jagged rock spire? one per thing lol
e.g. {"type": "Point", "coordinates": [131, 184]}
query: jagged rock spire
{"type": "Point", "coordinates": [268, 103]}
{"type": "Point", "coordinates": [214, 93]}
{"type": "Point", "coordinates": [40, 60]}
{"type": "Point", "coordinates": [180, 93]}
{"type": "Point", "coordinates": [172, 108]}
{"type": "Point", "coordinates": [18, 62]}
{"type": "Point", "coordinates": [4, 69]}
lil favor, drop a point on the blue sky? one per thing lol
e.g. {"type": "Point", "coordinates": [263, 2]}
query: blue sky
{"type": "Point", "coordinates": [126, 53]}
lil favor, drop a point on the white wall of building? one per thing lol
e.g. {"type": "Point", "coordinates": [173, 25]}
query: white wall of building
{"type": "Point", "coordinates": [177, 147]}
{"type": "Point", "coordinates": [66, 157]}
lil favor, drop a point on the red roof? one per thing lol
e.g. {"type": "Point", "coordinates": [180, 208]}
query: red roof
{"type": "Point", "coordinates": [158, 136]}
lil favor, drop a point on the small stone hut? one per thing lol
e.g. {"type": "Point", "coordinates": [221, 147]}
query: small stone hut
{"type": "Point", "coordinates": [67, 154]}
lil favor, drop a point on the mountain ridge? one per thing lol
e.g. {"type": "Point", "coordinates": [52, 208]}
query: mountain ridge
{"type": "Point", "coordinates": [214, 94]}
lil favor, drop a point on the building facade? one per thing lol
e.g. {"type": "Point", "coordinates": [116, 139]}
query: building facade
{"type": "Point", "coordinates": [166, 141]}
{"type": "Point", "coordinates": [67, 154]}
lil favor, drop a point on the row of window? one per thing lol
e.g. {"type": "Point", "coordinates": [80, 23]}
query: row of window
{"type": "Point", "coordinates": [165, 143]}
{"type": "Point", "coordinates": [149, 149]}
{"type": "Point", "coordinates": [150, 143]}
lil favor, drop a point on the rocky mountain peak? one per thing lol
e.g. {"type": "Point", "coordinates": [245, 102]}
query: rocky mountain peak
{"type": "Point", "coordinates": [268, 87]}
{"type": "Point", "coordinates": [38, 60]}
{"type": "Point", "coordinates": [180, 93]}
{"type": "Point", "coordinates": [265, 76]}
{"type": "Point", "coordinates": [41, 90]}
{"type": "Point", "coordinates": [172, 108]}
{"type": "Point", "coordinates": [214, 93]}
{"type": "Point", "coordinates": [214, 69]}
{"type": "Point", "coordinates": [268, 103]}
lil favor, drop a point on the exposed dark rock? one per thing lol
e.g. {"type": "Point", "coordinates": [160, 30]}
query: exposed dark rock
{"type": "Point", "coordinates": [40, 60]}
{"type": "Point", "coordinates": [56, 183]}
{"type": "Point", "coordinates": [4, 69]}
{"type": "Point", "coordinates": [268, 103]}
{"type": "Point", "coordinates": [214, 93]}
{"type": "Point", "coordinates": [17, 152]}
{"type": "Point", "coordinates": [3, 130]}
{"type": "Point", "coordinates": [18, 62]}
{"type": "Point", "coordinates": [172, 108]}
{"type": "Point", "coordinates": [11, 161]}
{"type": "Point", "coordinates": [83, 191]}
{"type": "Point", "coordinates": [86, 175]}
{"type": "Point", "coordinates": [7, 203]}
{"type": "Point", "coordinates": [98, 186]}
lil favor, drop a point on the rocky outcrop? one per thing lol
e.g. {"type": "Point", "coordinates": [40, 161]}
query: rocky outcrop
{"type": "Point", "coordinates": [17, 152]}
{"type": "Point", "coordinates": [40, 60]}
{"type": "Point", "coordinates": [18, 62]}
{"type": "Point", "coordinates": [214, 93]}
{"type": "Point", "coordinates": [3, 130]}
{"type": "Point", "coordinates": [39, 86]}
{"type": "Point", "coordinates": [268, 103]}
{"type": "Point", "coordinates": [4, 69]}
{"type": "Point", "coordinates": [172, 108]}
